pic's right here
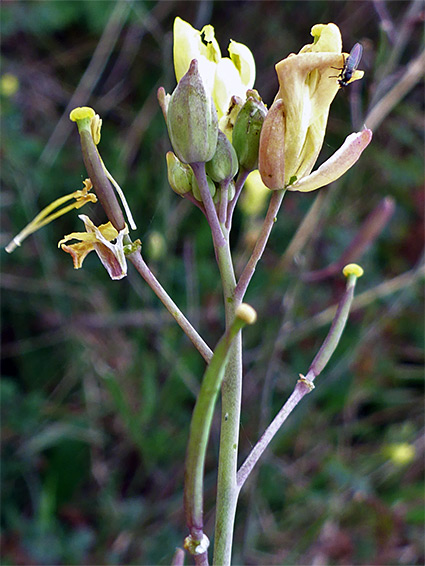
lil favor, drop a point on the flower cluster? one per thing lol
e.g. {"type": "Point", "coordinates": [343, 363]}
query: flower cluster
{"type": "Point", "coordinates": [214, 94]}
{"type": "Point", "coordinates": [214, 117]}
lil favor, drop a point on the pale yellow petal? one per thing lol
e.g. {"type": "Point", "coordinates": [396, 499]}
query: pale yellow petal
{"type": "Point", "coordinates": [337, 165]}
{"type": "Point", "coordinates": [244, 62]}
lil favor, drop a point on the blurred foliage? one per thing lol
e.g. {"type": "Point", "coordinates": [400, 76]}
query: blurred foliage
{"type": "Point", "coordinates": [98, 383]}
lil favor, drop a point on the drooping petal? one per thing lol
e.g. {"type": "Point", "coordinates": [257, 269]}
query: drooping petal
{"type": "Point", "coordinates": [337, 165]}
{"type": "Point", "coordinates": [308, 83]}
{"type": "Point", "coordinates": [98, 238]}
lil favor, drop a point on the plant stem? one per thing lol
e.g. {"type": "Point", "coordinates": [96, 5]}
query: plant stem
{"type": "Point", "coordinates": [248, 272]}
{"type": "Point", "coordinates": [304, 384]}
{"type": "Point", "coordinates": [227, 493]}
{"type": "Point", "coordinates": [202, 347]}
{"type": "Point", "coordinates": [200, 430]}
{"type": "Point", "coordinates": [232, 384]}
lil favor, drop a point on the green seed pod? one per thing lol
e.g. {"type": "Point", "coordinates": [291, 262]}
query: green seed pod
{"type": "Point", "coordinates": [247, 129]}
{"type": "Point", "coordinates": [192, 119]}
{"type": "Point", "coordinates": [197, 193]}
{"type": "Point", "coordinates": [224, 165]}
{"type": "Point", "coordinates": [180, 175]}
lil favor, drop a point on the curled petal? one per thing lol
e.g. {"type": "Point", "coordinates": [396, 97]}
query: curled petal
{"type": "Point", "coordinates": [308, 83]}
{"type": "Point", "coordinates": [337, 165]}
{"type": "Point", "coordinates": [98, 238]}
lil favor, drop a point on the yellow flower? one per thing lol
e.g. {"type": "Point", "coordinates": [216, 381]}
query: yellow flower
{"type": "Point", "coordinates": [307, 86]}
{"type": "Point", "coordinates": [98, 239]}
{"type": "Point", "coordinates": [223, 77]}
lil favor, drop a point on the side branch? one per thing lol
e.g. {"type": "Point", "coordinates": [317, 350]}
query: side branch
{"type": "Point", "coordinates": [248, 272]}
{"type": "Point", "coordinates": [304, 384]}
{"type": "Point", "coordinates": [202, 347]}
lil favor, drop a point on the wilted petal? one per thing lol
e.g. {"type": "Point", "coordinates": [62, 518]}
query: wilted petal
{"type": "Point", "coordinates": [308, 84]}
{"type": "Point", "coordinates": [337, 165]}
{"type": "Point", "coordinates": [98, 238]}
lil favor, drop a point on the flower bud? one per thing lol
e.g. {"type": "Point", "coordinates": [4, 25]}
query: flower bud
{"type": "Point", "coordinates": [271, 155]}
{"type": "Point", "coordinates": [246, 132]}
{"type": "Point", "coordinates": [197, 193]}
{"type": "Point", "coordinates": [224, 164]}
{"type": "Point", "coordinates": [192, 119]}
{"type": "Point", "coordinates": [180, 175]}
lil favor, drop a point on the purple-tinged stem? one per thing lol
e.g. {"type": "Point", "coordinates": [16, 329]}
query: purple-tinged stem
{"type": "Point", "coordinates": [240, 181]}
{"type": "Point", "coordinates": [210, 211]}
{"type": "Point", "coordinates": [224, 193]}
{"type": "Point", "coordinates": [304, 384]}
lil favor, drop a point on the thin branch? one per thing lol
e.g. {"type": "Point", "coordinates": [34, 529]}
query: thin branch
{"type": "Point", "coordinates": [202, 347]}
{"type": "Point", "coordinates": [248, 272]}
{"type": "Point", "coordinates": [305, 384]}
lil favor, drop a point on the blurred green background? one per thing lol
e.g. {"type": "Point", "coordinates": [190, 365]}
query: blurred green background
{"type": "Point", "coordinates": [98, 382]}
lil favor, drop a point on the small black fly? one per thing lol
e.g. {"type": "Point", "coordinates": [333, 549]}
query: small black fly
{"type": "Point", "coordinates": [350, 65]}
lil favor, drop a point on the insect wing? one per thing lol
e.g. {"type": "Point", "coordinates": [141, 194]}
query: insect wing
{"type": "Point", "coordinates": [353, 59]}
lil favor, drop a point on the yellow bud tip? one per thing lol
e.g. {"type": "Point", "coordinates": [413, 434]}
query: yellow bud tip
{"type": "Point", "coordinates": [353, 269]}
{"type": "Point", "coordinates": [246, 313]}
{"type": "Point", "coordinates": [81, 112]}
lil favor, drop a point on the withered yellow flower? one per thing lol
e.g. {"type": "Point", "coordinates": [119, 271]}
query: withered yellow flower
{"type": "Point", "coordinates": [308, 83]}
{"type": "Point", "coordinates": [98, 239]}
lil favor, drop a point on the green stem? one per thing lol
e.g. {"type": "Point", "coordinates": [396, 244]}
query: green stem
{"type": "Point", "coordinates": [227, 491]}
{"type": "Point", "coordinates": [200, 429]}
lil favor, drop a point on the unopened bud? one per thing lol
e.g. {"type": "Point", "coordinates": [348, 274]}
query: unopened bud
{"type": "Point", "coordinates": [197, 193]}
{"type": "Point", "coordinates": [246, 132]}
{"type": "Point", "coordinates": [246, 313]}
{"type": "Point", "coordinates": [180, 175]}
{"type": "Point", "coordinates": [224, 165]}
{"type": "Point", "coordinates": [192, 119]}
{"type": "Point", "coordinates": [271, 157]}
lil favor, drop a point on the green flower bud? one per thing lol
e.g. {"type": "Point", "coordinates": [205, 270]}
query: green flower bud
{"type": "Point", "coordinates": [197, 193]}
{"type": "Point", "coordinates": [224, 165]}
{"type": "Point", "coordinates": [180, 175]}
{"type": "Point", "coordinates": [246, 133]}
{"type": "Point", "coordinates": [192, 119]}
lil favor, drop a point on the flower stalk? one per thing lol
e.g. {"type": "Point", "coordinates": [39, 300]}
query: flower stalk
{"type": "Point", "coordinates": [201, 424]}
{"type": "Point", "coordinates": [305, 384]}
